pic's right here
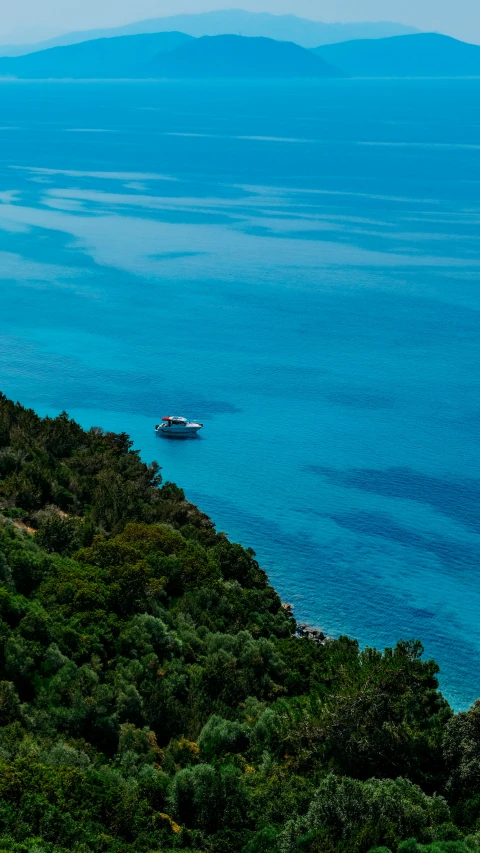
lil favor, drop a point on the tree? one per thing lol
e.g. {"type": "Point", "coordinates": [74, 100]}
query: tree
{"type": "Point", "coordinates": [360, 815]}
{"type": "Point", "coordinates": [9, 703]}
{"type": "Point", "coordinates": [461, 747]}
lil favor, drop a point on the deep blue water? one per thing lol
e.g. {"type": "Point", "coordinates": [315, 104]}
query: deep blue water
{"type": "Point", "coordinates": [297, 265]}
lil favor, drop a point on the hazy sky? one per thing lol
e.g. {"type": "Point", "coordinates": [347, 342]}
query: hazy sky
{"type": "Point", "coordinates": [30, 19]}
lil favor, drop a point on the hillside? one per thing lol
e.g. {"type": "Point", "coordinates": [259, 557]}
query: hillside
{"type": "Point", "coordinates": [155, 696]}
{"type": "Point", "coordinates": [419, 55]}
{"type": "Point", "coordinates": [235, 56]}
{"type": "Point", "coordinates": [170, 54]}
{"type": "Point", "coordinates": [231, 21]}
{"type": "Point", "coordinates": [126, 56]}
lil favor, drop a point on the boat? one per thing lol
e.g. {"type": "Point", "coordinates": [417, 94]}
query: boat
{"type": "Point", "coordinates": [176, 427]}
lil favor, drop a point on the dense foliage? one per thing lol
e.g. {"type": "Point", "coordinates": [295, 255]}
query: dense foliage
{"type": "Point", "coordinates": [155, 696]}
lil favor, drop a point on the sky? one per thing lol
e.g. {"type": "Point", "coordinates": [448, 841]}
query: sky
{"type": "Point", "coordinates": [32, 20]}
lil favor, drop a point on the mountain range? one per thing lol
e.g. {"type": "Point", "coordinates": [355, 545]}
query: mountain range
{"type": "Point", "coordinates": [126, 56]}
{"type": "Point", "coordinates": [180, 55]}
{"type": "Point", "coordinates": [419, 55]}
{"type": "Point", "coordinates": [171, 55]}
{"type": "Point", "coordinates": [230, 22]}
{"type": "Point", "coordinates": [237, 56]}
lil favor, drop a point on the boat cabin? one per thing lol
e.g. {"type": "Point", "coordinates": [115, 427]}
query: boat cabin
{"type": "Point", "coordinates": [173, 421]}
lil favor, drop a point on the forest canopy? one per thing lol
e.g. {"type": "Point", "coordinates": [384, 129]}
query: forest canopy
{"type": "Point", "coordinates": [155, 694]}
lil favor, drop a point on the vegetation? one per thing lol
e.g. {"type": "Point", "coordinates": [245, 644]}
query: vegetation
{"type": "Point", "coordinates": [154, 694]}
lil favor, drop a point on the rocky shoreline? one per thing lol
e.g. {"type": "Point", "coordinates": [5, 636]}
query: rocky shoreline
{"type": "Point", "coordinates": [305, 630]}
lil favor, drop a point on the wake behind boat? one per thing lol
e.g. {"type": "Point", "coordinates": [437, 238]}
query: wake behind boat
{"type": "Point", "coordinates": [175, 427]}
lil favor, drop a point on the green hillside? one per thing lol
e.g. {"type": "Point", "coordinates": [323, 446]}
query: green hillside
{"type": "Point", "coordinates": [155, 696]}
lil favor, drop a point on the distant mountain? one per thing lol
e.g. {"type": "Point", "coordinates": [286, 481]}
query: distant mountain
{"type": "Point", "coordinates": [420, 55]}
{"type": "Point", "coordinates": [177, 55]}
{"type": "Point", "coordinates": [127, 56]}
{"type": "Point", "coordinates": [231, 21]}
{"type": "Point", "coordinates": [172, 55]}
{"type": "Point", "coordinates": [231, 56]}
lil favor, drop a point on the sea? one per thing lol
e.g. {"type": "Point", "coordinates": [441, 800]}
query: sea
{"type": "Point", "coordinates": [296, 265]}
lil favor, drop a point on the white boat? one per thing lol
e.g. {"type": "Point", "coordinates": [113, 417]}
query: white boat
{"type": "Point", "coordinates": [175, 427]}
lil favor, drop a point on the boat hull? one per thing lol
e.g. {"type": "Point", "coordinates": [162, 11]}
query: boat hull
{"type": "Point", "coordinates": [178, 432]}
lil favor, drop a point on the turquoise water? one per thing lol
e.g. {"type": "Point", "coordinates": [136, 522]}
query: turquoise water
{"type": "Point", "coordinates": [296, 265]}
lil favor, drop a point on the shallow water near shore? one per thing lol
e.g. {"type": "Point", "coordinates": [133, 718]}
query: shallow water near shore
{"type": "Point", "coordinates": [296, 265]}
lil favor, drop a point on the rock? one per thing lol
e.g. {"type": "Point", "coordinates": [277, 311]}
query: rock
{"type": "Point", "coordinates": [309, 633]}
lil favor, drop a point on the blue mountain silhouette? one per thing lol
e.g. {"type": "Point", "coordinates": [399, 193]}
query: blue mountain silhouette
{"type": "Point", "coordinates": [419, 55]}
{"type": "Point", "coordinates": [236, 56]}
{"type": "Point", "coordinates": [230, 21]}
{"type": "Point", "coordinates": [125, 56]}
{"type": "Point", "coordinates": [171, 55]}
